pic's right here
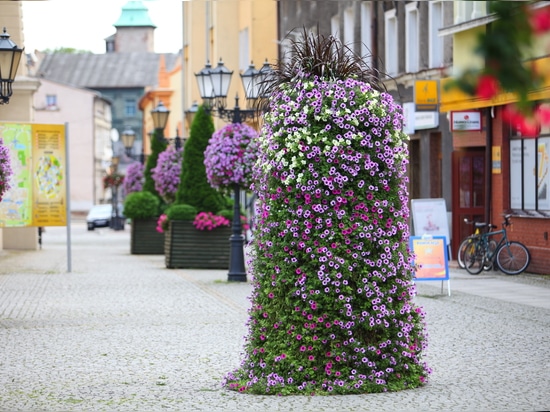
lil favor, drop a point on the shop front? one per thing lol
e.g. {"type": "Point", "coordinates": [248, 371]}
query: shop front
{"type": "Point", "coordinates": [496, 170]}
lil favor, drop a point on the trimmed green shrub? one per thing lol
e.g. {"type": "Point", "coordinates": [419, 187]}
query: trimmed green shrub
{"type": "Point", "coordinates": [158, 145]}
{"type": "Point", "coordinates": [141, 205]}
{"type": "Point", "coordinates": [181, 212]}
{"type": "Point", "coordinates": [194, 188]}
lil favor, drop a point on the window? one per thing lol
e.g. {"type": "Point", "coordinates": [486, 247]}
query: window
{"type": "Point", "coordinates": [51, 101]}
{"type": "Point", "coordinates": [130, 108]}
{"type": "Point", "coordinates": [244, 55]}
{"type": "Point", "coordinates": [412, 63]}
{"type": "Point", "coordinates": [335, 26]}
{"type": "Point", "coordinates": [392, 44]}
{"type": "Point", "coordinates": [349, 28]}
{"type": "Point", "coordinates": [435, 49]}
{"type": "Point", "coordinates": [469, 10]}
{"type": "Point", "coordinates": [366, 33]}
{"type": "Point", "coordinates": [529, 174]}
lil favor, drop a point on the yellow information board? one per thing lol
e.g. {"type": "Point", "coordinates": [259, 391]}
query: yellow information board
{"type": "Point", "coordinates": [38, 193]}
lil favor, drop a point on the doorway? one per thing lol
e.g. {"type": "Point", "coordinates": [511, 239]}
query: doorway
{"type": "Point", "coordinates": [468, 192]}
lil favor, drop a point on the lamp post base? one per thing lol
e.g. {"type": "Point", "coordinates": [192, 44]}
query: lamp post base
{"type": "Point", "coordinates": [237, 271]}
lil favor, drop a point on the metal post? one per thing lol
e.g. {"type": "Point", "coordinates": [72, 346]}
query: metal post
{"type": "Point", "coordinates": [237, 271]}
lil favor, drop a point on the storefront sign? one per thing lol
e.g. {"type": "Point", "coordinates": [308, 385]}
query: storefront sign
{"type": "Point", "coordinates": [497, 162]}
{"type": "Point", "coordinates": [426, 120]}
{"type": "Point", "coordinates": [466, 121]}
{"type": "Point", "coordinates": [426, 97]}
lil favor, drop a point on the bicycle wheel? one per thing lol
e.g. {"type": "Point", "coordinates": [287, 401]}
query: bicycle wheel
{"type": "Point", "coordinates": [513, 258]}
{"type": "Point", "coordinates": [461, 250]}
{"type": "Point", "coordinates": [474, 257]}
{"type": "Point", "coordinates": [491, 248]}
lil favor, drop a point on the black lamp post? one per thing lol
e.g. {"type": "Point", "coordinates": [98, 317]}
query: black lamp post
{"type": "Point", "coordinates": [116, 221]}
{"type": "Point", "coordinates": [128, 138]}
{"type": "Point", "coordinates": [213, 87]}
{"type": "Point", "coordinates": [10, 55]}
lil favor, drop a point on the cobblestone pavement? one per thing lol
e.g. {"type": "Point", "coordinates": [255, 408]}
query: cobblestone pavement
{"type": "Point", "coordinates": [121, 332]}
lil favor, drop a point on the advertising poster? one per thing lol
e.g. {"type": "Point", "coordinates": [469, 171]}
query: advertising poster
{"type": "Point", "coordinates": [37, 196]}
{"type": "Point", "coordinates": [430, 261]}
{"type": "Point", "coordinates": [430, 217]}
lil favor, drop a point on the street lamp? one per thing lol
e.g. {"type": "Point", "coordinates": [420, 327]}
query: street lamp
{"type": "Point", "coordinates": [128, 138]}
{"type": "Point", "coordinates": [10, 55]}
{"type": "Point", "coordinates": [213, 87]}
{"type": "Point", "coordinates": [160, 116]}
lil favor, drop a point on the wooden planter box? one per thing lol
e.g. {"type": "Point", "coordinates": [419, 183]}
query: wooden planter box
{"type": "Point", "coordinates": [187, 247]}
{"type": "Point", "coordinates": [145, 240]}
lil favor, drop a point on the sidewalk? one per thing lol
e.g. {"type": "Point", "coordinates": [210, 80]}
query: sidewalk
{"type": "Point", "coordinates": [121, 332]}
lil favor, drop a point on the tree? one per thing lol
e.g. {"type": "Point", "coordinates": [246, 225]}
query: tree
{"type": "Point", "coordinates": [194, 188]}
{"type": "Point", "coordinates": [158, 145]}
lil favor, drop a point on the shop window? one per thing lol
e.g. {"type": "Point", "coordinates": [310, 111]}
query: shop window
{"type": "Point", "coordinates": [529, 174]}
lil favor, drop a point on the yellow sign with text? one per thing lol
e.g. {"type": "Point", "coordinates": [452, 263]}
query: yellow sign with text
{"type": "Point", "coordinates": [426, 97]}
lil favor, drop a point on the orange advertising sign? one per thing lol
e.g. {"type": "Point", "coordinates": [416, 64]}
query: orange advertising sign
{"type": "Point", "coordinates": [431, 262]}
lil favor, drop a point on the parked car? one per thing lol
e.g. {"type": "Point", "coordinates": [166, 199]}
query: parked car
{"type": "Point", "coordinates": [100, 215]}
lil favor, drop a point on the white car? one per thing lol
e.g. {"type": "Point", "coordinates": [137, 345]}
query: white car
{"type": "Point", "coordinates": [100, 216]}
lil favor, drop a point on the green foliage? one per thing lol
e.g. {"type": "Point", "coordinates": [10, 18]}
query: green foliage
{"type": "Point", "coordinates": [194, 188]}
{"type": "Point", "coordinates": [141, 205]}
{"type": "Point", "coordinates": [181, 212]}
{"type": "Point", "coordinates": [158, 145]}
{"type": "Point", "coordinates": [227, 213]}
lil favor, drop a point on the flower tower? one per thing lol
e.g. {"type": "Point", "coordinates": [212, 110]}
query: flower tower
{"type": "Point", "coordinates": [5, 169]}
{"type": "Point", "coordinates": [332, 308]}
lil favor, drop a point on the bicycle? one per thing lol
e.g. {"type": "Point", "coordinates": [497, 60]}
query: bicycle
{"type": "Point", "coordinates": [462, 248]}
{"type": "Point", "coordinates": [511, 257]}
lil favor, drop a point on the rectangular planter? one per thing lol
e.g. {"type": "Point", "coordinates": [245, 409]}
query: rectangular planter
{"type": "Point", "coordinates": [145, 240]}
{"type": "Point", "coordinates": [187, 247]}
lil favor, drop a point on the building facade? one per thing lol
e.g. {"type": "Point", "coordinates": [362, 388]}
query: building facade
{"type": "Point", "coordinates": [496, 170]}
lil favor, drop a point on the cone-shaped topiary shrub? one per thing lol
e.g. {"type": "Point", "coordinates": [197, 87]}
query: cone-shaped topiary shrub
{"type": "Point", "coordinates": [332, 306]}
{"type": "Point", "coordinates": [194, 188]}
{"type": "Point", "coordinates": [158, 145]}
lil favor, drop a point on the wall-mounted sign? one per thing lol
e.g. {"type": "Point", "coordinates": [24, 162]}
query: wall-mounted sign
{"type": "Point", "coordinates": [408, 117]}
{"type": "Point", "coordinates": [466, 121]}
{"type": "Point", "coordinates": [426, 120]}
{"type": "Point", "coordinates": [426, 95]}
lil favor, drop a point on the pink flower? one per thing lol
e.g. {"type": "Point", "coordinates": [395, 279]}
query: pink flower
{"type": "Point", "coordinates": [540, 21]}
{"type": "Point", "coordinates": [487, 86]}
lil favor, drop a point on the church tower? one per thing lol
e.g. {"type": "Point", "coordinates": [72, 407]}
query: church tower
{"type": "Point", "coordinates": [134, 30]}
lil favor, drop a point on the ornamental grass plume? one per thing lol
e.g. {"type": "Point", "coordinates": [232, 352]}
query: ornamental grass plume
{"type": "Point", "coordinates": [332, 306]}
{"type": "Point", "coordinates": [5, 169]}
{"type": "Point", "coordinates": [166, 174]}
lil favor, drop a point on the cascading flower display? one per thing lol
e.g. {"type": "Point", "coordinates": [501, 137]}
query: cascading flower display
{"type": "Point", "coordinates": [166, 174]}
{"type": "Point", "coordinates": [230, 156]}
{"type": "Point", "coordinates": [332, 308]}
{"type": "Point", "coordinates": [133, 182]}
{"type": "Point", "coordinates": [5, 169]}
